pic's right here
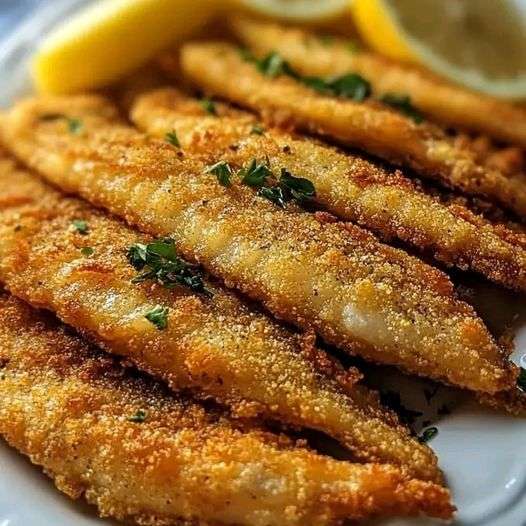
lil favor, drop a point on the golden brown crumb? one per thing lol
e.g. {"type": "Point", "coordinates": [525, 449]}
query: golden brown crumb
{"type": "Point", "coordinates": [358, 294]}
{"type": "Point", "coordinates": [348, 186]}
{"type": "Point", "coordinates": [512, 401]}
{"type": "Point", "coordinates": [157, 459]}
{"type": "Point", "coordinates": [215, 346]}
{"type": "Point", "coordinates": [218, 68]}
{"type": "Point", "coordinates": [440, 100]}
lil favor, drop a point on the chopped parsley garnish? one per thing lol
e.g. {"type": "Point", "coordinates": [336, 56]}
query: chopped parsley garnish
{"type": "Point", "coordinates": [521, 380]}
{"type": "Point", "coordinates": [255, 174]}
{"type": "Point", "coordinates": [274, 65]}
{"type": "Point", "coordinates": [75, 126]}
{"type": "Point", "coordinates": [274, 194]}
{"type": "Point", "coordinates": [171, 138]}
{"type": "Point", "coordinates": [428, 434]}
{"type": "Point", "coordinates": [222, 171]}
{"type": "Point", "coordinates": [351, 86]}
{"type": "Point", "coordinates": [80, 226]}
{"type": "Point", "coordinates": [298, 188]}
{"type": "Point", "coordinates": [209, 106]}
{"type": "Point", "coordinates": [87, 251]}
{"type": "Point", "coordinates": [139, 417]}
{"type": "Point", "coordinates": [257, 129]}
{"type": "Point", "coordinates": [160, 262]}
{"type": "Point", "coordinates": [158, 316]}
{"type": "Point", "coordinates": [402, 103]}
{"type": "Point", "coordinates": [289, 188]}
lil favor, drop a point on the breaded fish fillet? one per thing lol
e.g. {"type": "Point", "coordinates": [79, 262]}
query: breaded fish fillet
{"type": "Point", "coordinates": [141, 454]}
{"type": "Point", "coordinates": [437, 98]}
{"type": "Point", "coordinates": [221, 70]}
{"type": "Point", "coordinates": [346, 185]}
{"type": "Point", "coordinates": [216, 346]}
{"type": "Point", "coordinates": [365, 297]}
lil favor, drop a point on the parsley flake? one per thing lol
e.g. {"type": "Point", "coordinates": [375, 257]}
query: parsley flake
{"type": "Point", "coordinates": [75, 126]}
{"type": "Point", "coordinates": [257, 129]}
{"type": "Point", "coordinates": [299, 188]}
{"type": "Point", "coordinates": [274, 65]}
{"type": "Point", "coordinates": [87, 251]}
{"type": "Point", "coordinates": [350, 86]}
{"type": "Point", "coordinates": [222, 171]}
{"type": "Point", "coordinates": [255, 174]}
{"type": "Point", "coordinates": [402, 103]}
{"type": "Point", "coordinates": [80, 226]}
{"type": "Point", "coordinates": [428, 434]}
{"type": "Point", "coordinates": [171, 138]}
{"type": "Point", "coordinates": [139, 417]}
{"type": "Point", "coordinates": [160, 262]}
{"type": "Point", "coordinates": [209, 106]}
{"type": "Point", "coordinates": [289, 188]}
{"type": "Point", "coordinates": [274, 194]}
{"type": "Point", "coordinates": [158, 316]}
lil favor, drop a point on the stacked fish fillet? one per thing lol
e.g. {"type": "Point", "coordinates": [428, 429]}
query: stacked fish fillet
{"type": "Point", "coordinates": [204, 252]}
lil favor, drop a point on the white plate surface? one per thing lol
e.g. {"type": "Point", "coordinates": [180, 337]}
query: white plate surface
{"type": "Point", "coordinates": [483, 454]}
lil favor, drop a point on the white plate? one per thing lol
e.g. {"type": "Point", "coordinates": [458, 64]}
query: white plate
{"type": "Point", "coordinates": [483, 454]}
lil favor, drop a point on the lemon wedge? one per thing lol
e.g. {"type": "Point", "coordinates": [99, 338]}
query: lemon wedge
{"type": "Point", "coordinates": [299, 10]}
{"type": "Point", "coordinates": [479, 44]}
{"type": "Point", "coordinates": [111, 38]}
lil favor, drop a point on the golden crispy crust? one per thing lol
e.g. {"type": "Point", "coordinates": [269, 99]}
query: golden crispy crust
{"type": "Point", "coordinates": [512, 401]}
{"type": "Point", "coordinates": [68, 408]}
{"type": "Point", "coordinates": [510, 160]}
{"type": "Point", "coordinates": [440, 100]}
{"type": "Point", "coordinates": [215, 346]}
{"type": "Point", "coordinates": [337, 279]}
{"type": "Point", "coordinates": [218, 68]}
{"type": "Point", "coordinates": [348, 186]}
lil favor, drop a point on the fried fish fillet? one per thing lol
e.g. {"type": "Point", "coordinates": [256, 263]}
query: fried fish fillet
{"type": "Point", "coordinates": [220, 69]}
{"type": "Point", "coordinates": [365, 297]}
{"type": "Point", "coordinates": [348, 186]}
{"type": "Point", "coordinates": [447, 103]}
{"type": "Point", "coordinates": [217, 346]}
{"type": "Point", "coordinates": [141, 454]}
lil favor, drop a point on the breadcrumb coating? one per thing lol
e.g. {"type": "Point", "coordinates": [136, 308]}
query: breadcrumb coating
{"type": "Point", "coordinates": [349, 187]}
{"type": "Point", "coordinates": [512, 402]}
{"type": "Point", "coordinates": [219, 69]}
{"type": "Point", "coordinates": [440, 100]}
{"type": "Point", "coordinates": [510, 160]}
{"type": "Point", "coordinates": [337, 279]}
{"type": "Point", "coordinates": [157, 459]}
{"type": "Point", "coordinates": [217, 347]}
